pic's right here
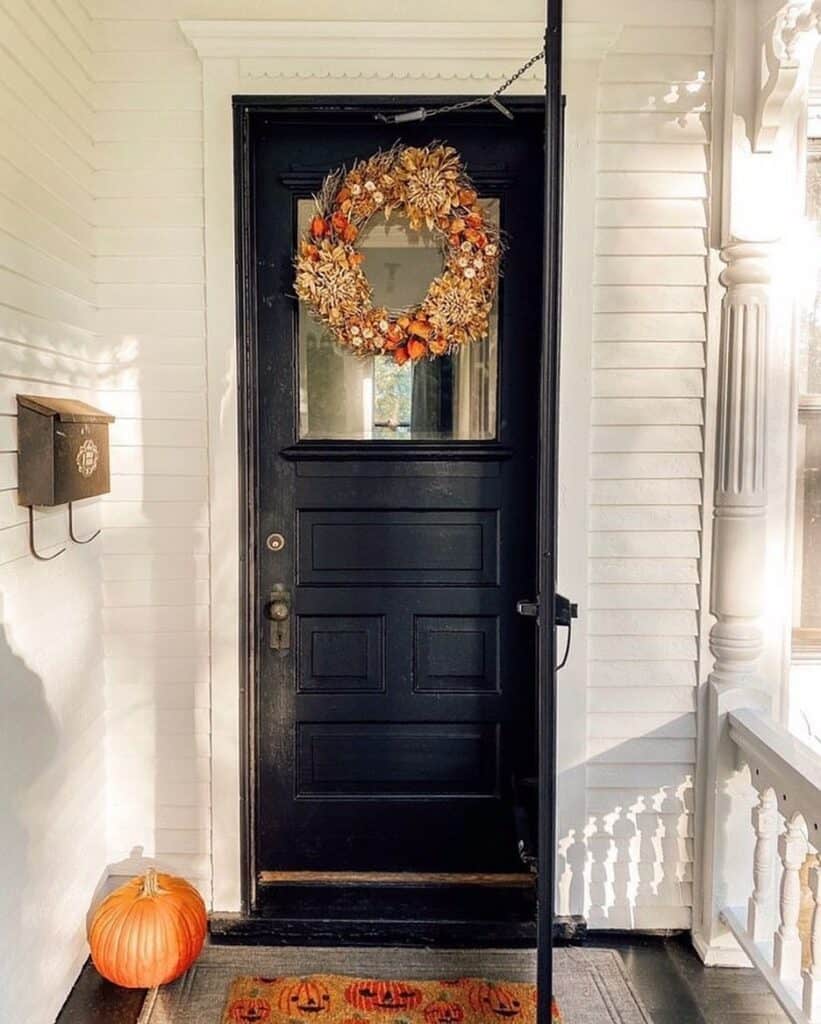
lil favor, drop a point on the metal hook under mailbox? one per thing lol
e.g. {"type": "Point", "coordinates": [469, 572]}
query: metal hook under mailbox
{"type": "Point", "coordinates": [77, 540]}
{"type": "Point", "coordinates": [33, 546]}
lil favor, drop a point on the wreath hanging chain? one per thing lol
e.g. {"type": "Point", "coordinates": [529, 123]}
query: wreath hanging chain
{"type": "Point", "coordinates": [430, 187]}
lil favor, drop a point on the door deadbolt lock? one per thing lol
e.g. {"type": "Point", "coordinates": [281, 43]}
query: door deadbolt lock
{"type": "Point", "coordinates": [278, 612]}
{"type": "Point", "coordinates": [275, 542]}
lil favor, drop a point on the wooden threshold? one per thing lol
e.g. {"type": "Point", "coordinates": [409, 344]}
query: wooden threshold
{"type": "Point", "coordinates": [513, 879]}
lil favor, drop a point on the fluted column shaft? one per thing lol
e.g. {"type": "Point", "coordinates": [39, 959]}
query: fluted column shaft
{"type": "Point", "coordinates": [739, 534]}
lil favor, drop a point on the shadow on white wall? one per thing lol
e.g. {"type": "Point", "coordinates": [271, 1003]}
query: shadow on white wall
{"type": "Point", "coordinates": [29, 737]}
{"type": "Point", "coordinates": [636, 854]}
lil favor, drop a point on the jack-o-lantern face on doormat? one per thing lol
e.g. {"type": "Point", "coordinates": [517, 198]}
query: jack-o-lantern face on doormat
{"type": "Point", "coordinates": [306, 996]}
{"type": "Point", "coordinates": [249, 1010]}
{"type": "Point", "coordinates": [498, 1000]}
{"type": "Point", "coordinates": [444, 1011]}
{"type": "Point", "coordinates": [337, 999]}
{"type": "Point", "coordinates": [383, 995]}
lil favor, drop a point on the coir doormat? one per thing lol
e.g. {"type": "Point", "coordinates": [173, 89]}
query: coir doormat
{"type": "Point", "coordinates": [337, 999]}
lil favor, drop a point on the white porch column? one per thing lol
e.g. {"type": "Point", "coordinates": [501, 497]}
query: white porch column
{"type": "Point", "coordinates": [739, 541]}
{"type": "Point", "coordinates": [760, 177]}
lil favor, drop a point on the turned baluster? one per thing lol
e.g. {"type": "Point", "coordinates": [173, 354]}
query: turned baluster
{"type": "Point", "coordinates": [812, 978]}
{"type": "Point", "coordinates": [761, 904]}
{"type": "Point", "coordinates": [792, 848]}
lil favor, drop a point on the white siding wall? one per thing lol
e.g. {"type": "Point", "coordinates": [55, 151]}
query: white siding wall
{"type": "Point", "coordinates": [648, 359]}
{"type": "Point", "coordinates": [52, 771]}
{"type": "Point", "coordinates": [646, 468]}
{"type": "Point", "coordinates": [149, 273]}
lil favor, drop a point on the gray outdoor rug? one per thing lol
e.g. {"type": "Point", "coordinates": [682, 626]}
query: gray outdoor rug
{"type": "Point", "coordinates": [591, 986]}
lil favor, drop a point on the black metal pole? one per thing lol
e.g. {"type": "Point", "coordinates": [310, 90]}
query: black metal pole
{"type": "Point", "coordinates": [554, 117]}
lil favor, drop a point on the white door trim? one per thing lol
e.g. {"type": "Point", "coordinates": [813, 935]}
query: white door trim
{"type": "Point", "coordinates": [357, 58]}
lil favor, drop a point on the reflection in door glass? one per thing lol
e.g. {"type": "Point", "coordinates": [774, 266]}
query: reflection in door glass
{"type": "Point", "coordinates": [344, 397]}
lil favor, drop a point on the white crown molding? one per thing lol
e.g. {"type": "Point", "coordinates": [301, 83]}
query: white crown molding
{"type": "Point", "coordinates": [386, 69]}
{"type": "Point", "coordinates": [390, 49]}
{"type": "Point", "coordinates": [357, 40]}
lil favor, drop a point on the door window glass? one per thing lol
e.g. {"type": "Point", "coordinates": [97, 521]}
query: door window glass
{"type": "Point", "coordinates": [346, 397]}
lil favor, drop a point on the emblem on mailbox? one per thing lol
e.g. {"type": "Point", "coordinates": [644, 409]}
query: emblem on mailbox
{"type": "Point", "coordinates": [88, 455]}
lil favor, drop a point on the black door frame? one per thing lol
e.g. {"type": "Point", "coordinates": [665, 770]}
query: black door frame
{"type": "Point", "coordinates": [244, 106]}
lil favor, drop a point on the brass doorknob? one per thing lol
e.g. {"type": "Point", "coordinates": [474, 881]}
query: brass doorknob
{"type": "Point", "coordinates": [278, 611]}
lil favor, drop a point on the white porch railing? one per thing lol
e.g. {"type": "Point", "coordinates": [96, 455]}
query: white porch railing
{"type": "Point", "coordinates": [787, 776]}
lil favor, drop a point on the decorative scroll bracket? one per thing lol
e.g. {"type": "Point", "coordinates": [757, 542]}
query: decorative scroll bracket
{"type": "Point", "coordinates": [787, 42]}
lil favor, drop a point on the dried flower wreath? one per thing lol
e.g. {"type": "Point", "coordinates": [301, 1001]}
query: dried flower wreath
{"type": "Point", "coordinates": [430, 187]}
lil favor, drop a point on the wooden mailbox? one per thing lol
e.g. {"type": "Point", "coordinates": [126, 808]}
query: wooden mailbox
{"type": "Point", "coordinates": [62, 450]}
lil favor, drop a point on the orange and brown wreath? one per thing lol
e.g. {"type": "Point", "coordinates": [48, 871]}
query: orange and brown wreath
{"type": "Point", "coordinates": [429, 186]}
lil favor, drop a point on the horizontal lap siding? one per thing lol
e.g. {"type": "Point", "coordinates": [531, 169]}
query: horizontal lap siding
{"type": "Point", "coordinates": [149, 276]}
{"type": "Point", "coordinates": [52, 751]}
{"type": "Point", "coordinates": [646, 472]}
{"type": "Point", "coordinates": [647, 438]}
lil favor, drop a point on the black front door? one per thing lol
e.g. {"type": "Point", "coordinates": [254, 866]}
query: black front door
{"type": "Point", "coordinates": [392, 521]}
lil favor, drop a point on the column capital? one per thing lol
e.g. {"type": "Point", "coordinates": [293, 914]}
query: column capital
{"type": "Point", "coordinates": [747, 263]}
{"type": "Point", "coordinates": [736, 646]}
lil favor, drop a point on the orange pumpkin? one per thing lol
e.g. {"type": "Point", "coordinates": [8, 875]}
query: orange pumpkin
{"type": "Point", "coordinates": [148, 932]}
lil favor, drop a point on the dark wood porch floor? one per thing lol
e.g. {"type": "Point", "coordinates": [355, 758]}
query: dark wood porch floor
{"type": "Point", "coordinates": [670, 979]}
{"type": "Point", "coordinates": [676, 988]}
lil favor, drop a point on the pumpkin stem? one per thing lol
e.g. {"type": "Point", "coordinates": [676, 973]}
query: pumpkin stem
{"type": "Point", "coordinates": [151, 883]}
